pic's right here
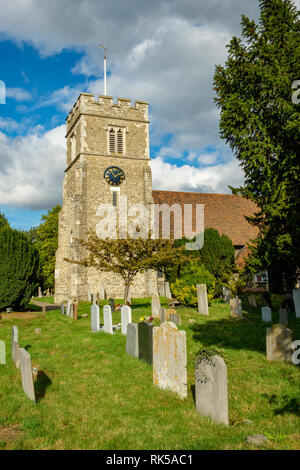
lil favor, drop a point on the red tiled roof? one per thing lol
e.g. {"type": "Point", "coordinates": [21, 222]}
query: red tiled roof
{"type": "Point", "coordinates": [223, 212]}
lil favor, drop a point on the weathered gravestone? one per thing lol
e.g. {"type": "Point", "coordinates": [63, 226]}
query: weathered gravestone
{"type": "Point", "coordinates": [169, 358]}
{"type": "Point", "coordinates": [202, 299]}
{"type": "Point", "coordinates": [107, 319]}
{"type": "Point", "coordinates": [132, 340]}
{"type": "Point", "coordinates": [62, 309]}
{"type": "Point", "coordinates": [69, 309]}
{"type": "Point", "coordinates": [266, 314]}
{"type": "Point", "coordinates": [15, 350]}
{"type": "Point", "coordinates": [2, 352]}
{"type": "Point", "coordinates": [40, 294]}
{"type": "Point", "coordinates": [283, 316]}
{"type": "Point", "coordinates": [111, 303]}
{"type": "Point", "coordinates": [211, 390]}
{"type": "Point", "coordinates": [226, 295]}
{"type": "Point", "coordinates": [125, 318]}
{"type": "Point", "coordinates": [155, 305]}
{"type": "Point", "coordinates": [95, 318]}
{"type": "Point", "coordinates": [167, 291]}
{"type": "Point", "coordinates": [252, 301]}
{"type": "Point", "coordinates": [26, 371]}
{"type": "Point", "coordinates": [175, 318]}
{"type": "Point", "coordinates": [163, 314]}
{"type": "Point", "coordinates": [236, 308]}
{"type": "Point", "coordinates": [296, 299]}
{"type": "Point", "coordinates": [145, 334]}
{"type": "Point", "coordinates": [279, 343]}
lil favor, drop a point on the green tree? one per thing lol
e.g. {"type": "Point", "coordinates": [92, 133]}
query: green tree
{"type": "Point", "coordinates": [19, 269]}
{"type": "Point", "coordinates": [126, 257]}
{"type": "Point", "coordinates": [193, 273]}
{"type": "Point", "coordinates": [261, 123]}
{"type": "Point", "coordinates": [3, 221]}
{"type": "Point", "coordinates": [46, 241]}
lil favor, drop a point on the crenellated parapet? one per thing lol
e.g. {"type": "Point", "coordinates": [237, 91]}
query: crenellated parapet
{"type": "Point", "coordinates": [104, 106]}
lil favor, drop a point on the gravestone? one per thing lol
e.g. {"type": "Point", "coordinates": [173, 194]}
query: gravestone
{"type": "Point", "coordinates": [169, 358]}
{"type": "Point", "coordinates": [26, 371]}
{"type": "Point", "coordinates": [2, 352]}
{"type": "Point", "coordinates": [163, 315]}
{"type": "Point", "coordinates": [202, 299]}
{"type": "Point", "coordinates": [279, 343]}
{"type": "Point", "coordinates": [211, 390]}
{"type": "Point", "coordinates": [89, 294]}
{"type": "Point", "coordinates": [75, 310]}
{"type": "Point", "coordinates": [296, 299]}
{"type": "Point", "coordinates": [102, 292]}
{"type": "Point", "coordinates": [252, 301]}
{"type": "Point", "coordinates": [95, 318]}
{"type": "Point", "coordinates": [145, 335]}
{"type": "Point", "coordinates": [167, 291]}
{"type": "Point", "coordinates": [226, 295]}
{"type": "Point", "coordinates": [161, 289]}
{"type": "Point", "coordinates": [125, 318]}
{"type": "Point", "coordinates": [132, 340]}
{"type": "Point", "coordinates": [40, 294]}
{"type": "Point", "coordinates": [175, 318]}
{"type": "Point", "coordinates": [68, 309]}
{"type": "Point", "coordinates": [155, 305]}
{"type": "Point", "coordinates": [111, 303]}
{"type": "Point", "coordinates": [15, 350]}
{"type": "Point", "coordinates": [236, 308]}
{"type": "Point", "coordinates": [94, 299]}
{"type": "Point", "coordinates": [266, 314]}
{"type": "Point", "coordinates": [108, 326]}
{"type": "Point", "coordinates": [62, 309]}
{"type": "Point", "coordinates": [283, 316]}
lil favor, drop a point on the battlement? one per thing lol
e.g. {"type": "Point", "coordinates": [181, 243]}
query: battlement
{"type": "Point", "coordinates": [103, 105]}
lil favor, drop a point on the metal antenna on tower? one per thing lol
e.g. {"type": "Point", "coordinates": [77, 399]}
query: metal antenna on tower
{"type": "Point", "coordinates": [105, 49]}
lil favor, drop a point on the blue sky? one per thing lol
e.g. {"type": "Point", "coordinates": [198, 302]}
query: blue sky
{"type": "Point", "coordinates": [163, 52]}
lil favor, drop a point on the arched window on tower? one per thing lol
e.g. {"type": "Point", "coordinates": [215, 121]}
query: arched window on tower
{"type": "Point", "coordinates": [120, 141]}
{"type": "Point", "coordinates": [112, 148]}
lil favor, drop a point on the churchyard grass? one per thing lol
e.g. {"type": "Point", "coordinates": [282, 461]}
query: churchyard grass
{"type": "Point", "coordinates": [92, 395]}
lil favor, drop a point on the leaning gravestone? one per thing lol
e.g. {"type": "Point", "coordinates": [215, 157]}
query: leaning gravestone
{"type": "Point", "coordinates": [296, 299]}
{"type": "Point", "coordinates": [266, 314]}
{"type": "Point", "coordinates": [211, 391]}
{"type": "Point", "coordinates": [2, 352]}
{"type": "Point", "coordinates": [163, 314]}
{"type": "Point", "coordinates": [169, 358]}
{"type": "Point", "coordinates": [125, 318]}
{"type": "Point", "coordinates": [95, 318]}
{"type": "Point", "coordinates": [155, 305]}
{"type": "Point", "coordinates": [132, 340]}
{"type": "Point", "coordinates": [175, 318]}
{"type": "Point", "coordinates": [279, 343]}
{"type": "Point", "coordinates": [26, 371]}
{"type": "Point", "coordinates": [145, 334]}
{"type": "Point", "coordinates": [15, 350]}
{"type": "Point", "coordinates": [226, 295]}
{"type": "Point", "coordinates": [108, 326]}
{"type": "Point", "coordinates": [252, 301]}
{"type": "Point", "coordinates": [202, 299]}
{"type": "Point", "coordinates": [283, 316]}
{"type": "Point", "coordinates": [236, 308]}
{"type": "Point", "coordinates": [167, 291]}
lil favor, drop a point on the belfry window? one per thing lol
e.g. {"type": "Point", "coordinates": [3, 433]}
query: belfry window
{"type": "Point", "coordinates": [116, 141]}
{"type": "Point", "coordinates": [120, 141]}
{"type": "Point", "coordinates": [112, 146]}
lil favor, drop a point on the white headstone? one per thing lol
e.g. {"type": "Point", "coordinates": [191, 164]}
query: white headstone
{"type": "Point", "coordinates": [155, 306]}
{"type": "Point", "coordinates": [132, 340]}
{"type": "Point", "coordinates": [95, 318]}
{"type": "Point", "coordinates": [266, 314]}
{"type": "Point", "coordinates": [68, 308]}
{"type": "Point", "coordinates": [26, 371]}
{"type": "Point", "coordinates": [108, 326]}
{"type": "Point", "coordinates": [62, 309]}
{"type": "Point", "coordinates": [125, 318]}
{"type": "Point", "coordinates": [169, 358]}
{"type": "Point", "coordinates": [2, 352]}
{"type": "Point", "coordinates": [296, 298]}
{"type": "Point", "coordinates": [202, 299]}
{"type": "Point", "coordinates": [15, 350]}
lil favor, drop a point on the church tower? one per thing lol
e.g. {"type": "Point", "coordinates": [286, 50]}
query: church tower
{"type": "Point", "coordinates": [107, 158]}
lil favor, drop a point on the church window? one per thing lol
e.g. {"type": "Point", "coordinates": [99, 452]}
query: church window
{"type": "Point", "coordinates": [112, 141]}
{"type": "Point", "coordinates": [116, 141]}
{"type": "Point", "coordinates": [120, 141]}
{"type": "Point", "coordinates": [115, 199]}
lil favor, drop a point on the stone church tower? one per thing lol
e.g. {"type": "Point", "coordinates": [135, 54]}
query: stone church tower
{"type": "Point", "coordinates": [107, 158]}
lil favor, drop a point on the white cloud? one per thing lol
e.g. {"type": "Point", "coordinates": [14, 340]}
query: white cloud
{"type": "Point", "coordinates": [18, 94]}
{"type": "Point", "coordinates": [32, 169]}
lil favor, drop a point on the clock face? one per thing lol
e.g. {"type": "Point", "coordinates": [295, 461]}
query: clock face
{"type": "Point", "coordinates": [114, 175]}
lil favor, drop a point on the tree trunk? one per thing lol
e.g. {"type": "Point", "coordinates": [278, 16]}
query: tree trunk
{"type": "Point", "coordinates": [126, 291]}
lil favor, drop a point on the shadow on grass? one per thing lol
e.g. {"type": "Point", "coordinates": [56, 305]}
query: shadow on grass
{"type": "Point", "coordinates": [231, 333]}
{"type": "Point", "coordinates": [284, 404]}
{"type": "Point", "coordinates": [41, 384]}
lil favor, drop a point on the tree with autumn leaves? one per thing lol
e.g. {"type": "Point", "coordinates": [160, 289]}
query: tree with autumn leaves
{"type": "Point", "coordinates": [261, 123]}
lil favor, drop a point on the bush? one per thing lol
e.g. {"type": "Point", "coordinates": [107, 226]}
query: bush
{"type": "Point", "coordinates": [184, 289]}
{"type": "Point", "coordinates": [19, 269]}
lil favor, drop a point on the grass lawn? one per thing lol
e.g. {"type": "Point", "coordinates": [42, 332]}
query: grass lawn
{"type": "Point", "coordinates": [93, 396]}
